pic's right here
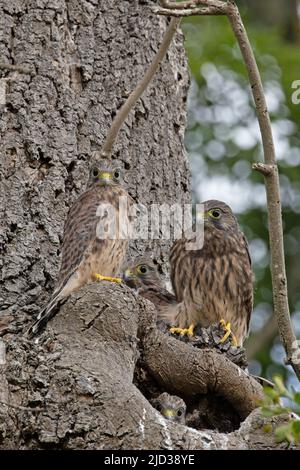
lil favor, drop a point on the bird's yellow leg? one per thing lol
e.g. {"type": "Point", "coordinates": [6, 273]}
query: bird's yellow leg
{"type": "Point", "coordinates": [183, 331]}
{"type": "Point", "coordinates": [228, 332]}
{"type": "Point", "coordinates": [99, 277]}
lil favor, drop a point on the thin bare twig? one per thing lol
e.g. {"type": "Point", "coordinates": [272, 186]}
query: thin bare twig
{"type": "Point", "coordinates": [113, 132]}
{"type": "Point", "coordinates": [270, 171]}
{"type": "Point", "coordinates": [171, 5]}
{"type": "Point", "coordinates": [204, 11]}
{"type": "Point", "coordinates": [190, 4]}
{"type": "Point", "coordinates": [190, 8]}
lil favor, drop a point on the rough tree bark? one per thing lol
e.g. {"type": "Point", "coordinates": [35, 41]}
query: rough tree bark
{"type": "Point", "coordinates": [77, 385]}
{"type": "Point", "coordinates": [74, 64]}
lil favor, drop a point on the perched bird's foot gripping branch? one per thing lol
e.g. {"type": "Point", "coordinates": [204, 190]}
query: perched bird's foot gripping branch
{"type": "Point", "coordinates": [228, 332]}
{"type": "Point", "coordinates": [99, 277]}
{"type": "Point", "coordinates": [183, 331]}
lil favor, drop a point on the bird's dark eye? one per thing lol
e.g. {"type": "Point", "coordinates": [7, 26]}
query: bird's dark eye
{"type": "Point", "coordinates": [142, 269]}
{"type": "Point", "coordinates": [179, 412]}
{"type": "Point", "coordinates": [95, 172]}
{"type": "Point", "coordinates": [117, 174]}
{"type": "Point", "coordinates": [215, 213]}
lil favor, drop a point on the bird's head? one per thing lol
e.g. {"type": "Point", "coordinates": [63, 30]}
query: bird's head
{"type": "Point", "coordinates": [218, 215]}
{"type": "Point", "coordinates": [105, 177]}
{"type": "Point", "coordinates": [142, 273]}
{"type": "Point", "coordinates": [171, 407]}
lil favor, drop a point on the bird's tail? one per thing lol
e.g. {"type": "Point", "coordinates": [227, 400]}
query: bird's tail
{"type": "Point", "coordinates": [45, 315]}
{"type": "Point", "coordinates": [60, 295]}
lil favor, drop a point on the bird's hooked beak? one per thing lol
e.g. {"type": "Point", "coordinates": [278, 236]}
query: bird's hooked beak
{"type": "Point", "coordinates": [106, 177]}
{"type": "Point", "coordinates": [129, 278]}
{"type": "Point", "coordinates": [169, 413]}
{"type": "Point", "coordinates": [128, 274]}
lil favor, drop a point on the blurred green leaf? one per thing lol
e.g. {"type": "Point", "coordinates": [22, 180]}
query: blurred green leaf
{"type": "Point", "coordinates": [297, 397]}
{"type": "Point", "coordinates": [284, 433]}
{"type": "Point", "coordinates": [267, 428]}
{"type": "Point", "coordinates": [280, 387]}
{"type": "Point", "coordinates": [272, 394]}
{"type": "Point", "coordinates": [296, 428]}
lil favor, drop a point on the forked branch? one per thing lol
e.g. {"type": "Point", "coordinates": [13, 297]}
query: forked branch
{"type": "Point", "coordinates": [268, 168]}
{"type": "Point", "coordinates": [270, 172]}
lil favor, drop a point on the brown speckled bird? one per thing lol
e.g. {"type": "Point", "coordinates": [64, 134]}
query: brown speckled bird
{"type": "Point", "coordinates": [171, 407]}
{"type": "Point", "coordinates": [142, 276]}
{"type": "Point", "coordinates": [214, 284]}
{"type": "Point", "coordinates": [88, 253]}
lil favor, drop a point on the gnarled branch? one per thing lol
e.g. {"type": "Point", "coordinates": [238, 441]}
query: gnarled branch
{"type": "Point", "coordinates": [76, 380]}
{"type": "Point", "coordinates": [188, 371]}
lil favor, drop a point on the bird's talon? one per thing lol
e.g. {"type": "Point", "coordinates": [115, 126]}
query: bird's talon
{"type": "Point", "coordinates": [190, 330]}
{"type": "Point", "coordinates": [175, 330]}
{"type": "Point", "coordinates": [225, 337]}
{"type": "Point", "coordinates": [99, 277]}
{"type": "Point", "coordinates": [228, 332]}
{"type": "Point", "coordinates": [183, 331]}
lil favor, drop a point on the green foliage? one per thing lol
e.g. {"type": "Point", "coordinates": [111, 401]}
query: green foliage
{"type": "Point", "coordinates": [289, 432]}
{"type": "Point", "coordinates": [211, 39]}
{"type": "Point", "coordinates": [272, 405]}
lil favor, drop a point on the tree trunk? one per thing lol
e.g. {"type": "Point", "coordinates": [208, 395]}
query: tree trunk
{"type": "Point", "coordinates": [75, 63]}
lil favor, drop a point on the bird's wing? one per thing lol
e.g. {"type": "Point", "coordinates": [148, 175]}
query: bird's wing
{"type": "Point", "coordinates": [246, 245]}
{"type": "Point", "coordinates": [79, 234]}
{"type": "Point", "coordinates": [187, 266]}
{"type": "Point", "coordinates": [158, 292]}
{"type": "Point", "coordinates": [248, 298]}
{"type": "Point", "coordinates": [178, 266]}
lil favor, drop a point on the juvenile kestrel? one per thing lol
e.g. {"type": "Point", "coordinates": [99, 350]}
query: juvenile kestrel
{"type": "Point", "coordinates": [142, 276]}
{"type": "Point", "coordinates": [214, 284]}
{"type": "Point", "coordinates": [95, 239]}
{"type": "Point", "coordinates": [171, 407]}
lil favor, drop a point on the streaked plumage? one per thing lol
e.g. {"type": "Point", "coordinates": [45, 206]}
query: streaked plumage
{"type": "Point", "coordinates": [214, 282]}
{"type": "Point", "coordinates": [171, 407]}
{"type": "Point", "coordinates": [84, 252]}
{"type": "Point", "coordinates": [142, 276]}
